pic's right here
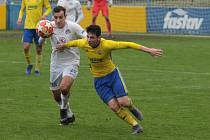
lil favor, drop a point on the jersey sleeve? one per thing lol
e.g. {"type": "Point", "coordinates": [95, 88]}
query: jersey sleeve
{"type": "Point", "coordinates": [122, 45]}
{"type": "Point", "coordinates": [76, 43]}
{"type": "Point", "coordinates": [79, 31]}
{"type": "Point", "coordinates": [23, 6]}
{"type": "Point", "coordinates": [48, 7]}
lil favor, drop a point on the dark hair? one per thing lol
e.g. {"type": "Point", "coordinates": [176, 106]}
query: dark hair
{"type": "Point", "coordinates": [57, 9]}
{"type": "Point", "coordinates": [94, 29]}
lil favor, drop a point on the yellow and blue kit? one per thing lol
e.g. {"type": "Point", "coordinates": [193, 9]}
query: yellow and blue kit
{"type": "Point", "coordinates": [107, 78]}
{"type": "Point", "coordinates": [34, 11]}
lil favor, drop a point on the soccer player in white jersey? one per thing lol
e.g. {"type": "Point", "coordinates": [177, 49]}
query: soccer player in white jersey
{"type": "Point", "coordinates": [73, 10]}
{"type": "Point", "coordinates": [64, 65]}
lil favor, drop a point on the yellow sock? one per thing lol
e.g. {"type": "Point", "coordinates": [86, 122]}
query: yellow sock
{"type": "Point", "coordinates": [131, 104]}
{"type": "Point", "coordinates": [38, 61]}
{"type": "Point", "coordinates": [124, 115]}
{"type": "Point", "coordinates": [28, 57]}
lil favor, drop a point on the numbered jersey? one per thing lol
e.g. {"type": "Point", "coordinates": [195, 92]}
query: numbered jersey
{"type": "Point", "coordinates": [73, 9]}
{"type": "Point", "coordinates": [71, 31]}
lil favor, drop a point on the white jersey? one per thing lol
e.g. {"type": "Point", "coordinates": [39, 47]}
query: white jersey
{"type": "Point", "coordinates": [70, 31]}
{"type": "Point", "coordinates": [73, 10]}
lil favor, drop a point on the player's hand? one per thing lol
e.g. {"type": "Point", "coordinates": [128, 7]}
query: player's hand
{"type": "Point", "coordinates": [88, 6]}
{"type": "Point", "coordinates": [19, 21]}
{"type": "Point", "coordinates": [156, 52]}
{"type": "Point", "coordinates": [60, 47]}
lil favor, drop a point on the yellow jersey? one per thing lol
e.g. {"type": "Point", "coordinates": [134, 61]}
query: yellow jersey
{"type": "Point", "coordinates": [100, 57]}
{"type": "Point", "coordinates": [34, 11]}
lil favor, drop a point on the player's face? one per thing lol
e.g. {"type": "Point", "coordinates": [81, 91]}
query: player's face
{"type": "Point", "coordinates": [59, 19]}
{"type": "Point", "coordinates": [93, 40]}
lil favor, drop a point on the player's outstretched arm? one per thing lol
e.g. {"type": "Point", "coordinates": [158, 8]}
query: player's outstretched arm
{"type": "Point", "coordinates": [122, 45]}
{"type": "Point", "coordinates": [152, 51]}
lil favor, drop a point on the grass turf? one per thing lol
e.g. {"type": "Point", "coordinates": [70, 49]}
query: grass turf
{"type": "Point", "coordinates": [172, 91]}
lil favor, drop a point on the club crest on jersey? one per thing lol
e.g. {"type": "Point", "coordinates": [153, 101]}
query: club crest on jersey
{"type": "Point", "coordinates": [67, 31]}
{"type": "Point", "coordinates": [99, 52]}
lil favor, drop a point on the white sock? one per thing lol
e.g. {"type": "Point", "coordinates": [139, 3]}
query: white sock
{"type": "Point", "coordinates": [69, 112]}
{"type": "Point", "coordinates": [64, 101]}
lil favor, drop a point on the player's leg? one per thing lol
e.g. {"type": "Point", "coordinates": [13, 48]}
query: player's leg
{"type": "Point", "coordinates": [38, 54]}
{"type": "Point", "coordinates": [105, 13]}
{"type": "Point", "coordinates": [125, 101]}
{"type": "Point", "coordinates": [95, 12]}
{"type": "Point", "coordinates": [69, 74]}
{"type": "Point", "coordinates": [121, 91]}
{"type": "Point", "coordinates": [66, 114]}
{"type": "Point", "coordinates": [55, 80]}
{"type": "Point", "coordinates": [121, 112]}
{"type": "Point", "coordinates": [27, 39]}
{"type": "Point", "coordinates": [105, 92]}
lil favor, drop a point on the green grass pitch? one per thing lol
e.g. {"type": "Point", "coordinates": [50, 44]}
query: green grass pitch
{"type": "Point", "coordinates": [173, 93]}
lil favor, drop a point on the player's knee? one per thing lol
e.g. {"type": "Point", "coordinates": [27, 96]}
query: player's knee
{"type": "Point", "coordinates": [124, 103]}
{"type": "Point", "coordinates": [64, 89]}
{"type": "Point", "coordinates": [114, 106]}
{"type": "Point", "coordinates": [26, 48]}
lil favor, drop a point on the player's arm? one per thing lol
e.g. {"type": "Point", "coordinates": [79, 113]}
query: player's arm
{"type": "Point", "coordinates": [80, 15]}
{"type": "Point", "coordinates": [74, 43]}
{"type": "Point", "coordinates": [79, 31]}
{"type": "Point", "coordinates": [121, 45]}
{"type": "Point", "coordinates": [152, 51]}
{"type": "Point", "coordinates": [21, 13]}
{"type": "Point", "coordinates": [48, 9]}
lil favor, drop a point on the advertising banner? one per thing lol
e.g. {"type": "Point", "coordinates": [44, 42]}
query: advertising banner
{"type": "Point", "coordinates": [178, 20]}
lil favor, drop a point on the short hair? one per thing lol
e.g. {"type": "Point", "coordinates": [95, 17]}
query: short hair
{"type": "Point", "coordinates": [57, 9]}
{"type": "Point", "coordinates": [94, 29]}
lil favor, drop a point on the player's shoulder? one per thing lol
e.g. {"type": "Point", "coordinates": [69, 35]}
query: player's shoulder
{"type": "Point", "coordinates": [71, 24]}
{"type": "Point", "coordinates": [107, 43]}
{"type": "Point", "coordinates": [106, 40]}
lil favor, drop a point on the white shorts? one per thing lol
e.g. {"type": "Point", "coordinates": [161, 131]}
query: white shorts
{"type": "Point", "coordinates": [57, 76]}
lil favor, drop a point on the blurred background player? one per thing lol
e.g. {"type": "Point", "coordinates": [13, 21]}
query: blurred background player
{"type": "Point", "coordinates": [108, 80]}
{"type": "Point", "coordinates": [101, 5]}
{"type": "Point", "coordinates": [73, 10]}
{"type": "Point", "coordinates": [34, 12]}
{"type": "Point", "coordinates": [64, 65]}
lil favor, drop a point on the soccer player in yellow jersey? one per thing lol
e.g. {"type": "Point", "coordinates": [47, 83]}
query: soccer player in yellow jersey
{"type": "Point", "coordinates": [108, 81]}
{"type": "Point", "coordinates": [34, 13]}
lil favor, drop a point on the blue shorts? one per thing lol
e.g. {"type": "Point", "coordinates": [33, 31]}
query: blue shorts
{"type": "Point", "coordinates": [29, 35]}
{"type": "Point", "coordinates": [110, 86]}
